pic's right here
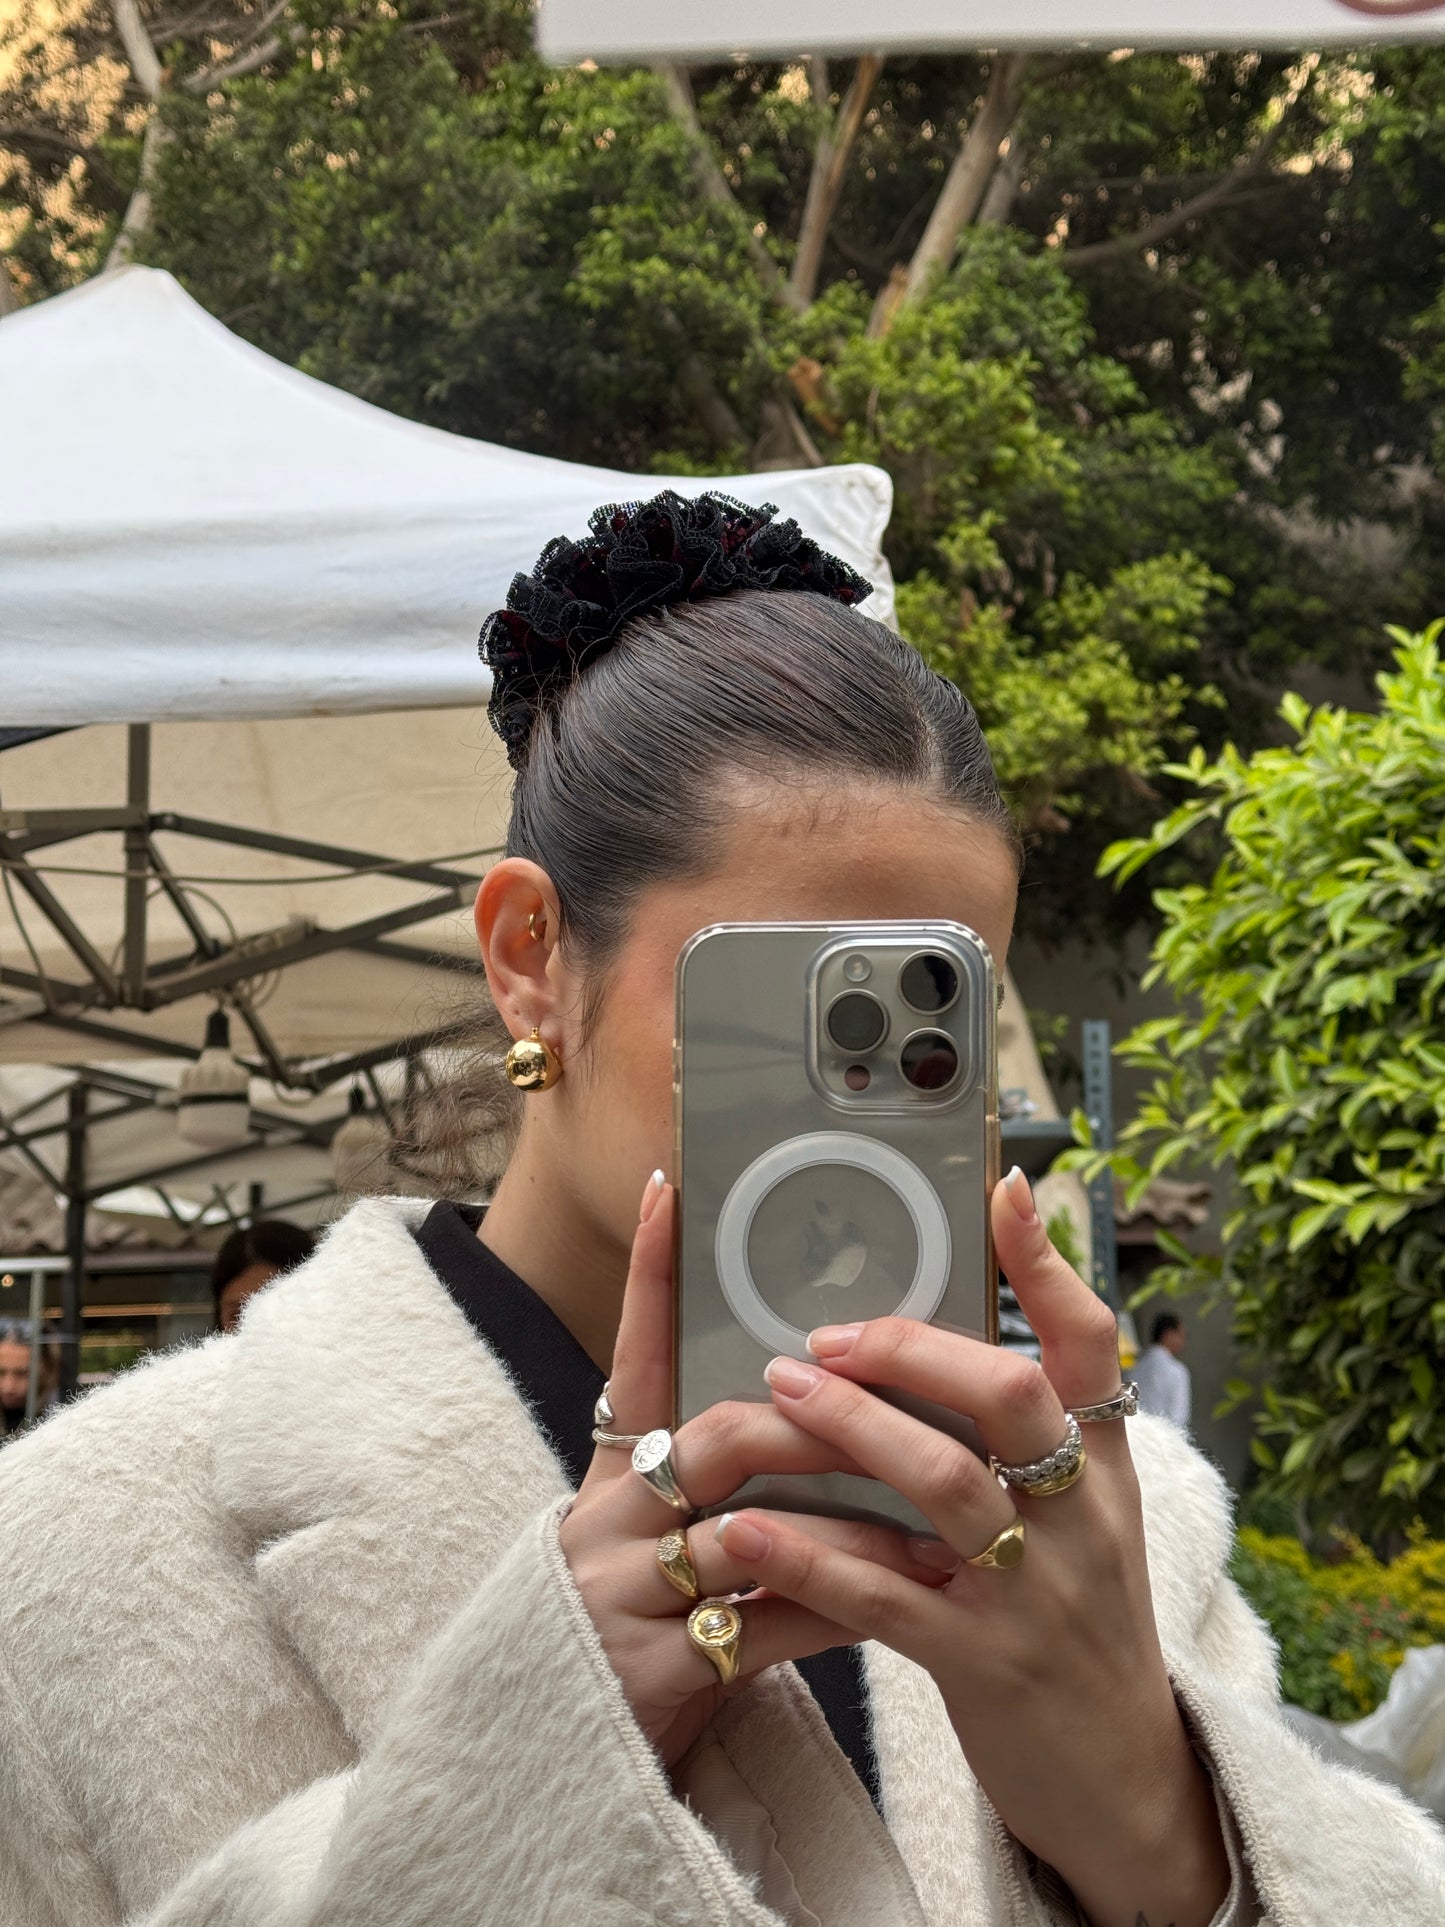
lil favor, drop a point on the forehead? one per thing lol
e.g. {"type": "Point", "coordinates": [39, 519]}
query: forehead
{"type": "Point", "coordinates": [845, 855]}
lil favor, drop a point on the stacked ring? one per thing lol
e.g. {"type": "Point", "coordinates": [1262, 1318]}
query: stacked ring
{"type": "Point", "coordinates": [1004, 1551]}
{"type": "Point", "coordinates": [1054, 1473]}
{"type": "Point", "coordinates": [652, 1462]}
{"type": "Point", "coordinates": [676, 1563]}
{"type": "Point", "coordinates": [604, 1418]}
{"type": "Point", "coordinates": [716, 1629]}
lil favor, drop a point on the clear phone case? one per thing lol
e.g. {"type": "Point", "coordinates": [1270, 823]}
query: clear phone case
{"type": "Point", "coordinates": [836, 1094]}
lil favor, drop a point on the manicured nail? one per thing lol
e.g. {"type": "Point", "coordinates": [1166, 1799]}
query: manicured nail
{"type": "Point", "coordinates": [935, 1554]}
{"type": "Point", "coordinates": [831, 1341]}
{"type": "Point", "coordinates": [792, 1378]}
{"type": "Point", "coordinates": [1021, 1195]}
{"type": "Point", "coordinates": [740, 1537]}
{"type": "Point", "coordinates": [651, 1192]}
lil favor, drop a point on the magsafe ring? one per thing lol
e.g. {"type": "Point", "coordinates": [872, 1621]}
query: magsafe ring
{"type": "Point", "coordinates": [785, 1160]}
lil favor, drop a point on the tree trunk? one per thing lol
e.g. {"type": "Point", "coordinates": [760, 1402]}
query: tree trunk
{"type": "Point", "coordinates": [138, 209]}
{"type": "Point", "coordinates": [963, 190]}
{"type": "Point", "coordinates": [150, 77]}
{"type": "Point", "coordinates": [1003, 189]}
{"type": "Point", "coordinates": [825, 184]}
{"type": "Point", "coordinates": [9, 300]}
{"type": "Point", "coordinates": [711, 179]}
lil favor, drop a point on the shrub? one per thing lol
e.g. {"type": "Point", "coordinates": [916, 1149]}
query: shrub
{"type": "Point", "coordinates": [1342, 1626]}
{"type": "Point", "coordinates": [1309, 1054]}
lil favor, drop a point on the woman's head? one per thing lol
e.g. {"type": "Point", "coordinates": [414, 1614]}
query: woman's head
{"type": "Point", "coordinates": [763, 754]}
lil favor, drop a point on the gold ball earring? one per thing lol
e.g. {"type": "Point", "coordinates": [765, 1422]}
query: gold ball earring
{"type": "Point", "coordinates": [532, 1064]}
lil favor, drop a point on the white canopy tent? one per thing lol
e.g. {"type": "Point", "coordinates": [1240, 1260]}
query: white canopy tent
{"type": "Point", "coordinates": [244, 758]}
{"type": "Point", "coordinates": [195, 537]}
{"type": "Point", "coordinates": [190, 530]}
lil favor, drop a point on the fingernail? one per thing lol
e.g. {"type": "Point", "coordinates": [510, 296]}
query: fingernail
{"type": "Point", "coordinates": [740, 1537]}
{"type": "Point", "coordinates": [651, 1192]}
{"type": "Point", "coordinates": [1021, 1195]}
{"type": "Point", "coordinates": [934, 1554]}
{"type": "Point", "coordinates": [792, 1378]}
{"type": "Point", "coordinates": [831, 1341]}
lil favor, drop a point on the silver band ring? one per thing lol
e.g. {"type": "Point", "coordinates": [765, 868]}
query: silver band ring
{"type": "Point", "coordinates": [652, 1462]}
{"type": "Point", "coordinates": [1054, 1473]}
{"type": "Point", "coordinates": [1124, 1404]}
{"type": "Point", "coordinates": [603, 1420]}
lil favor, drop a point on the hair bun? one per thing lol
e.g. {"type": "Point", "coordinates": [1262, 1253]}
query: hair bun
{"type": "Point", "coordinates": [638, 556]}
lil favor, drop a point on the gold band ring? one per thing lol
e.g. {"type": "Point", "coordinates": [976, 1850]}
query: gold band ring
{"type": "Point", "coordinates": [652, 1462]}
{"type": "Point", "coordinates": [1004, 1550]}
{"type": "Point", "coordinates": [716, 1628]}
{"type": "Point", "coordinates": [676, 1563]}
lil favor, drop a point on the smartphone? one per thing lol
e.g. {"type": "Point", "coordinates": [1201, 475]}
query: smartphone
{"type": "Point", "coordinates": [836, 1105]}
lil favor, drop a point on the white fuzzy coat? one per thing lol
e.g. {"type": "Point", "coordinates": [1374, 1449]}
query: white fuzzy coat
{"type": "Point", "coordinates": [286, 1640]}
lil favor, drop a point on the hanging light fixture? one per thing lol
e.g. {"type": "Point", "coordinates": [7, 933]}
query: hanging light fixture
{"type": "Point", "coordinates": [360, 1151]}
{"type": "Point", "coordinates": [213, 1106]}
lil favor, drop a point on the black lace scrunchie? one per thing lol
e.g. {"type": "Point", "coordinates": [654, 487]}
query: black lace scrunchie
{"type": "Point", "coordinates": [639, 556]}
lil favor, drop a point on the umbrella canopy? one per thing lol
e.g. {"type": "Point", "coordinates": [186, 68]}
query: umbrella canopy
{"type": "Point", "coordinates": [192, 530]}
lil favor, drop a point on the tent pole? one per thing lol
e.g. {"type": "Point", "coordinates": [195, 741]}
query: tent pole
{"type": "Point", "coordinates": [137, 859]}
{"type": "Point", "coordinates": [73, 1290]}
{"type": "Point", "coordinates": [37, 1314]}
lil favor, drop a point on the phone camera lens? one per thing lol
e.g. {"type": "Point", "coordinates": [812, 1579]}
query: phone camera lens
{"type": "Point", "coordinates": [929, 1060]}
{"type": "Point", "coordinates": [856, 1022]}
{"type": "Point", "coordinates": [929, 982]}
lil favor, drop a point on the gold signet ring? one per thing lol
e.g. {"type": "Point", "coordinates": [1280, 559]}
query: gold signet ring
{"type": "Point", "coordinates": [1006, 1550]}
{"type": "Point", "coordinates": [716, 1628]}
{"type": "Point", "coordinates": [652, 1462]}
{"type": "Point", "coordinates": [676, 1562]}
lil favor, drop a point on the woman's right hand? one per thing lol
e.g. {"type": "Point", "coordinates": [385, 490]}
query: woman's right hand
{"type": "Point", "coordinates": [610, 1534]}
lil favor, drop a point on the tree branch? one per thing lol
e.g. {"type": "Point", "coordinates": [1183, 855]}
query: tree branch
{"type": "Point", "coordinates": [711, 179]}
{"type": "Point", "coordinates": [962, 193]}
{"type": "Point", "coordinates": [9, 299]}
{"type": "Point", "coordinates": [139, 51]}
{"type": "Point", "coordinates": [246, 56]}
{"type": "Point", "coordinates": [825, 183]}
{"type": "Point", "coordinates": [1232, 186]}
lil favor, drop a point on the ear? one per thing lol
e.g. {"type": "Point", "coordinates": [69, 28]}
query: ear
{"type": "Point", "coordinates": [518, 918]}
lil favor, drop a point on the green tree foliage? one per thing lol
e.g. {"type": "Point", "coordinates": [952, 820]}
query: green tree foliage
{"type": "Point", "coordinates": [1158, 400]}
{"type": "Point", "coordinates": [1310, 1057]}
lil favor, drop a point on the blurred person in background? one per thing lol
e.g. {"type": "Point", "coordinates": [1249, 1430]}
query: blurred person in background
{"type": "Point", "coordinates": [248, 1261]}
{"type": "Point", "coordinates": [15, 1375]}
{"type": "Point", "coordinates": [1161, 1375]}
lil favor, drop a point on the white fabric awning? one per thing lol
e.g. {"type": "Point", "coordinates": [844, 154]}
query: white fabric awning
{"type": "Point", "coordinates": [571, 30]}
{"type": "Point", "coordinates": [190, 530]}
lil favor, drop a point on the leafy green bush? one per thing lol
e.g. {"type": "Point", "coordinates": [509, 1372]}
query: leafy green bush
{"type": "Point", "coordinates": [1342, 1626]}
{"type": "Point", "coordinates": [1310, 1056]}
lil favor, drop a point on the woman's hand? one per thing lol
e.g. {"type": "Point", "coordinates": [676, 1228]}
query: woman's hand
{"type": "Point", "coordinates": [1051, 1670]}
{"type": "Point", "coordinates": [610, 1534]}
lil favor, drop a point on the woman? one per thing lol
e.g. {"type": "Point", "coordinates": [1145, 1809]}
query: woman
{"type": "Point", "coordinates": [249, 1259]}
{"type": "Point", "coordinates": [309, 1627]}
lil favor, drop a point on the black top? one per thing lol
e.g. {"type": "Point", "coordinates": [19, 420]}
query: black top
{"type": "Point", "coordinates": [561, 1385]}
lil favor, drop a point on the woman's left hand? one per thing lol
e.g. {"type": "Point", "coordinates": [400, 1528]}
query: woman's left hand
{"type": "Point", "coordinates": [1050, 1670]}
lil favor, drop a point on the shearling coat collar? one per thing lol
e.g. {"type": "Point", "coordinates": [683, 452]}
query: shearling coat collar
{"type": "Point", "coordinates": [382, 1461]}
